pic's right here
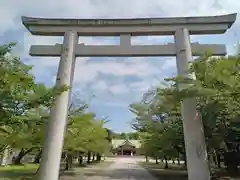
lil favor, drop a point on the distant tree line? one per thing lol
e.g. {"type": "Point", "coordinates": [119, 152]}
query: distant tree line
{"type": "Point", "coordinates": [126, 135]}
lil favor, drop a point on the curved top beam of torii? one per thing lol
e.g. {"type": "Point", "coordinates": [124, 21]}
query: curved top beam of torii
{"type": "Point", "coordinates": [134, 27]}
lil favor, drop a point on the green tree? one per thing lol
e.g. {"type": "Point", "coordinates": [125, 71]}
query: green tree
{"type": "Point", "coordinates": [84, 135]}
{"type": "Point", "coordinates": [21, 100]}
{"type": "Point", "coordinates": [216, 88]}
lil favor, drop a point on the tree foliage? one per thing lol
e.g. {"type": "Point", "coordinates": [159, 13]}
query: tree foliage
{"type": "Point", "coordinates": [129, 135]}
{"type": "Point", "coordinates": [216, 88]}
{"type": "Point", "coordinates": [24, 113]}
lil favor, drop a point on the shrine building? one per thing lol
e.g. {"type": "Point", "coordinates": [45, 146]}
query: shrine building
{"type": "Point", "coordinates": [126, 147]}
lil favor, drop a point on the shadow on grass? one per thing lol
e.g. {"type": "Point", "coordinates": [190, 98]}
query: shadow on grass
{"type": "Point", "coordinates": [16, 175]}
{"type": "Point", "coordinates": [29, 171]}
{"type": "Point", "coordinates": [168, 174]}
{"type": "Point", "coordinates": [18, 172]}
{"type": "Point", "coordinates": [180, 173]}
{"type": "Point", "coordinates": [172, 173]}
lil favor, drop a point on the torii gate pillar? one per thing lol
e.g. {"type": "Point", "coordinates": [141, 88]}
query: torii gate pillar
{"type": "Point", "coordinates": [51, 157]}
{"type": "Point", "coordinates": [197, 158]}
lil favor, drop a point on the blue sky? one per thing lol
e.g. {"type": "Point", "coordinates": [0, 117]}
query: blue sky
{"type": "Point", "coordinates": [109, 85]}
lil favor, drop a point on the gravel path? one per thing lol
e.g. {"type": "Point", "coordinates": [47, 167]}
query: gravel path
{"type": "Point", "coordinates": [124, 168]}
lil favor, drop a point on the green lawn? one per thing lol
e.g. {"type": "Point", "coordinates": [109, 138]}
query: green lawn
{"type": "Point", "coordinates": [18, 172]}
{"type": "Point", "coordinates": [177, 172]}
{"type": "Point", "coordinates": [174, 172]}
{"type": "Point", "coordinates": [27, 172]}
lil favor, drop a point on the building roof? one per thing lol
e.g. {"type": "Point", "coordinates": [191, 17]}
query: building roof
{"type": "Point", "coordinates": [120, 142]}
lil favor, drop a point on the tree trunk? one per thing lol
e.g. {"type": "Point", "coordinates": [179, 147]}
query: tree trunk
{"type": "Point", "coordinates": [147, 160]}
{"type": "Point", "coordinates": [219, 160]}
{"type": "Point", "coordinates": [80, 160]}
{"type": "Point", "coordinates": [210, 159]}
{"type": "Point", "coordinates": [68, 164]}
{"type": "Point", "coordinates": [98, 157]}
{"type": "Point", "coordinates": [4, 157]}
{"type": "Point", "coordinates": [37, 170]}
{"type": "Point", "coordinates": [185, 159]}
{"type": "Point", "coordinates": [3, 147]}
{"type": "Point", "coordinates": [178, 161]}
{"type": "Point", "coordinates": [38, 157]}
{"type": "Point", "coordinates": [70, 160]}
{"type": "Point", "coordinates": [22, 153]}
{"type": "Point", "coordinates": [156, 161]}
{"type": "Point", "coordinates": [231, 161]}
{"type": "Point", "coordinates": [88, 157]}
{"type": "Point", "coordinates": [166, 162]}
{"type": "Point", "coordinates": [93, 157]}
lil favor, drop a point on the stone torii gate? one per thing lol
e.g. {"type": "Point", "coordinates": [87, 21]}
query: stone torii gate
{"type": "Point", "coordinates": [71, 29]}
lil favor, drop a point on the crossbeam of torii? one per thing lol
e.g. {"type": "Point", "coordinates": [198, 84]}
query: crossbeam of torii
{"type": "Point", "coordinates": [71, 29]}
{"type": "Point", "coordinates": [126, 50]}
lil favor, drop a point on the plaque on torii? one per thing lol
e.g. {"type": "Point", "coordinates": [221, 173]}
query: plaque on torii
{"type": "Point", "coordinates": [71, 29]}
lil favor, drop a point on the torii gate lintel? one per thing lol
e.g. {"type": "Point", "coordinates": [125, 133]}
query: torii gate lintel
{"type": "Point", "coordinates": [169, 49]}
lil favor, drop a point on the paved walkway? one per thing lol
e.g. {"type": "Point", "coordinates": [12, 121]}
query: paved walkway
{"type": "Point", "coordinates": [123, 169]}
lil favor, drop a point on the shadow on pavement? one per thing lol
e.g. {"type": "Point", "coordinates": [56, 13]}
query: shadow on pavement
{"type": "Point", "coordinates": [138, 174]}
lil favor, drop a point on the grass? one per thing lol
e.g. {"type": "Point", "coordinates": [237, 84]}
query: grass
{"type": "Point", "coordinates": [177, 172]}
{"type": "Point", "coordinates": [18, 172]}
{"type": "Point", "coordinates": [172, 173]}
{"type": "Point", "coordinates": [27, 172]}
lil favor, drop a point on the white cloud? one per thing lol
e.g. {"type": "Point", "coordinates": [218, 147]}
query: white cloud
{"type": "Point", "coordinates": [169, 64]}
{"type": "Point", "coordinates": [115, 104]}
{"type": "Point", "coordinates": [118, 89]}
{"type": "Point", "coordinates": [11, 10]}
{"type": "Point", "coordinates": [100, 85]}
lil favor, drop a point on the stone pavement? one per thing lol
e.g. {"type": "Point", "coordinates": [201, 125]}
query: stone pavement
{"type": "Point", "coordinates": [124, 168]}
